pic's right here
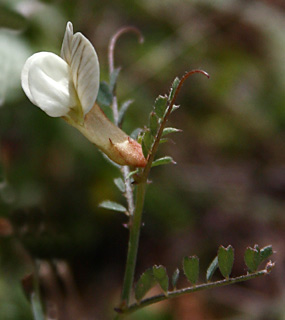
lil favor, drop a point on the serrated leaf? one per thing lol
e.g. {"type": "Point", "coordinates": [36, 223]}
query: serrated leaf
{"type": "Point", "coordinates": [145, 283]}
{"type": "Point", "coordinates": [226, 260]}
{"type": "Point", "coordinates": [111, 205]}
{"type": "Point", "coordinates": [123, 109]}
{"type": "Point", "coordinates": [170, 130]}
{"type": "Point", "coordinates": [113, 78]}
{"type": "Point", "coordinates": [160, 106]}
{"type": "Point", "coordinates": [175, 278]}
{"type": "Point", "coordinates": [191, 268]}
{"type": "Point", "coordinates": [120, 184]}
{"type": "Point", "coordinates": [212, 268]}
{"type": "Point", "coordinates": [173, 88]}
{"type": "Point", "coordinates": [105, 96]}
{"type": "Point", "coordinates": [153, 123]}
{"type": "Point", "coordinates": [162, 161]}
{"type": "Point", "coordinates": [160, 275]}
{"type": "Point", "coordinates": [252, 259]}
{"type": "Point", "coordinates": [265, 253]}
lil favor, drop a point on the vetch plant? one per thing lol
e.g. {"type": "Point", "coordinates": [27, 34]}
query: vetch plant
{"type": "Point", "coordinates": [69, 87]}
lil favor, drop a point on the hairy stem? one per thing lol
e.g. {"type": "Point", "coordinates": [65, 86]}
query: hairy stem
{"type": "Point", "coordinates": [135, 225]}
{"type": "Point", "coordinates": [129, 190]}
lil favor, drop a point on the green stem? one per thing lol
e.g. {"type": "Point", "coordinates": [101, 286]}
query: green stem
{"type": "Point", "coordinates": [135, 225]}
{"type": "Point", "coordinates": [204, 286]}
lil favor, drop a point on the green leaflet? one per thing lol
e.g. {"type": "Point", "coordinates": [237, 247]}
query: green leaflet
{"type": "Point", "coordinates": [191, 268]}
{"type": "Point", "coordinates": [226, 260]}
{"type": "Point", "coordinates": [212, 268]}
{"type": "Point", "coordinates": [175, 278]}
{"type": "Point", "coordinates": [160, 275]}
{"type": "Point", "coordinates": [173, 89]}
{"type": "Point", "coordinates": [170, 130]}
{"type": "Point", "coordinates": [253, 257]}
{"type": "Point", "coordinates": [162, 161]}
{"type": "Point", "coordinates": [144, 284]}
{"type": "Point", "coordinates": [111, 205]}
{"type": "Point", "coordinates": [153, 123]}
{"type": "Point", "coordinates": [160, 106]}
{"type": "Point", "coordinates": [147, 142]}
{"type": "Point", "coordinates": [105, 96]}
{"type": "Point", "coordinates": [120, 184]}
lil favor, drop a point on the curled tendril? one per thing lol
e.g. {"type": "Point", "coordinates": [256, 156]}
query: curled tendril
{"type": "Point", "coordinates": [111, 50]}
{"type": "Point", "coordinates": [114, 39]}
{"type": "Point", "coordinates": [185, 77]}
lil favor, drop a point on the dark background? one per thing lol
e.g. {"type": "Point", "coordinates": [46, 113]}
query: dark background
{"type": "Point", "coordinates": [227, 186]}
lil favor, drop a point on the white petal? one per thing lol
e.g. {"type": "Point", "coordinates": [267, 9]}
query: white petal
{"type": "Point", "coordinates": [66, 43]}
{"type": "Point", "coordinates": [47, 81]}
{"type": "Point", "coordinates": [79, 53]}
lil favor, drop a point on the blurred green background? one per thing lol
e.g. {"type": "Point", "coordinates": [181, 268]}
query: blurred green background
{"type": "Point", "coordinates": [228, 185]}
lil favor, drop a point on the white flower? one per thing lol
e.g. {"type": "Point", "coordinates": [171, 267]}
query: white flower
{"type": "Point", "coordinates": [60, 85]}
{"type": "Point", "coordinates": [67, 87]}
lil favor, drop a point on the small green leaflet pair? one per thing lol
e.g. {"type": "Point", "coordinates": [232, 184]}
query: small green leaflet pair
{"type": "Point", "coordinates": [158, 275]}
{"type": "Point", "coordinates": [224, 261]}
{"type": "Point", "coordinates": [151, 277]}
{"type": "Point", "coordinates": [253, 257]}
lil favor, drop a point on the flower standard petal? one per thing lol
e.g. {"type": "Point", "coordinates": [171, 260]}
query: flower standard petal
{"type": "Point", "coordinates": [81, 56]}
{"type": "Point", "coordinates": [66, 43]}
{"type": "Point", "coordinates": [47, 82]}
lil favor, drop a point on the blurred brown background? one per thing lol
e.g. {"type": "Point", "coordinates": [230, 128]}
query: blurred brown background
{"type": "Point", "coordinates": [228, 184]}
